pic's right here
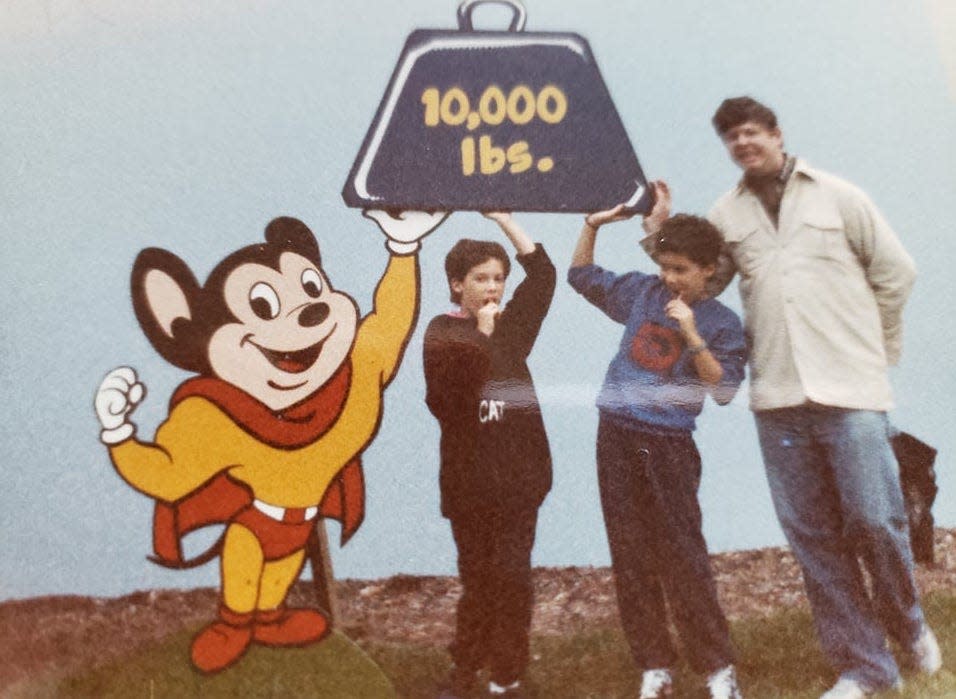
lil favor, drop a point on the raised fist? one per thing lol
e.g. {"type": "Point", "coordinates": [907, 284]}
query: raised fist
{"type": "Point", "coordinates": [118, 395]}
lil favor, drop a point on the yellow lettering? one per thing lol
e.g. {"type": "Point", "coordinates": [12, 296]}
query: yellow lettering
{"type": "Point", "coordinates": [454, 107]}
{"type": "Point", "coordinates": [549, 113]}
{"type": "Point", "coordinates": [521, 104]}
{"type": "Point", "coordinates": [492, 159]}
{"type": "Point", "coordinates": [430, 100]}
{"type": "Point", "coordinates": [493, 106]}
{"type": "Point", "coordinates": [468, 156]}
{"type": "Point", "coordinates": [519, 157]}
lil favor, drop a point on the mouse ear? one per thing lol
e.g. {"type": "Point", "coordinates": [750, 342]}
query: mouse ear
{"type": "Point", "coordinates": [165, 295]}
{"type": "Point", "coordinates": [291, 234]}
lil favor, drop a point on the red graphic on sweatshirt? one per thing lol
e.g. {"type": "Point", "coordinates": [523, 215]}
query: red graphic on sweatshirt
{"type": "Point", "coordinates": [655, 347]}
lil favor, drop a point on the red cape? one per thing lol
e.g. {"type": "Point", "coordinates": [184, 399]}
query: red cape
{"type": "Point", "coordinates": [221, 498]}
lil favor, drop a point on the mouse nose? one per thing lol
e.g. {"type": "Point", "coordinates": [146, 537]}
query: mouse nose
{"type": "Point", "coordinates": [313, 314]}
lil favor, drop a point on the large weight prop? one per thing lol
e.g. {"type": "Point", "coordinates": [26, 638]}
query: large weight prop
{"type": "Point", "coordinates": [496, 120]}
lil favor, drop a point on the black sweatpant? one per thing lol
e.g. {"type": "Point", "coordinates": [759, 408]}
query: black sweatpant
{"type": "Point", "coordinates": [494, 612]}
{"type": "Point", "coordinates": [648, 488]}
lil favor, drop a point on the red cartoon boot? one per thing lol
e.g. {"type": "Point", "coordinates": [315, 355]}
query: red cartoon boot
{"type": "Point", "coordinates": [290, 627]}
{"type": "Point", "coordinates": [223, 642]}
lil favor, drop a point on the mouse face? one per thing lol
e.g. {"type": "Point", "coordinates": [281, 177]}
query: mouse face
{"type": "Point", "coordinates": [291, 332]}
{"type": "Point", "coordinates": [266, 321]}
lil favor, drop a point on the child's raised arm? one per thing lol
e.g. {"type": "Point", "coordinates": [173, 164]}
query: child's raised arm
{"type": "Point", "coordinates": [516, 234]}
{"type": "Point", "coordinates": [584, 251]}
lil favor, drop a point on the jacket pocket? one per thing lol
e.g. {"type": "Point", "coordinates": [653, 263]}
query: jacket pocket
{"type": "Point", "coordinates": [821, 234]}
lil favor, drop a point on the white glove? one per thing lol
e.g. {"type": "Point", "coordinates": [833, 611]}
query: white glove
{"type": "Point", "coordinates": [118, 395]}
{"type": "Point", "coordinates": [406, 229]}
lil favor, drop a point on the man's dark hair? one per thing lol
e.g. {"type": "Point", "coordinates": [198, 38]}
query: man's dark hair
{"type": "Point", "coordinates": [734, 111]}
{"type": "Point", "coordinates": [468, 253]}
{"type": "Point", "coordinates": [693, 237]}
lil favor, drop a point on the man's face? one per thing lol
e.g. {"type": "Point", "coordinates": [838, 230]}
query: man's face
{"type": "Point", "coordinates": [755, 148]}
{"type": "Point", "coordinates": [484, 283]}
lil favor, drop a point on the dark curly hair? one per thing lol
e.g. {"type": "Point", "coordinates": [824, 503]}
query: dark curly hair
{"type": "Point", "coordinates": [694, 237]}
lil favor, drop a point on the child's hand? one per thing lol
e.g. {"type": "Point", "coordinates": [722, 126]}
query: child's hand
{"type": "Point", "coordinates": [661, 211]}
{"type": "Point", "coordinates": [677, 309]}
{"type": "Point", "coordinates": [499, 217]}
{"type": "Point", "coordinates": [599, 218]}
{"type": "Point", "coordinates": [516, 234]}
{"type": "Point", "coordinates": [487, 315]}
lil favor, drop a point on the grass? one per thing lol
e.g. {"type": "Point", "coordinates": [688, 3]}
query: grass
{"type": "Point", "coordinates": [334, 668]}
{"type": "Point", "coordinates": [779, 659]}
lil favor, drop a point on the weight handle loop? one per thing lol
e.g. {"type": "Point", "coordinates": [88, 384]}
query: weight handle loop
{"type": "Point", "coordinates": [467, 6]}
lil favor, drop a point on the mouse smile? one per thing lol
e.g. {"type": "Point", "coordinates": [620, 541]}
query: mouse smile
{"type": "Point", "coordinates": [291, 362]}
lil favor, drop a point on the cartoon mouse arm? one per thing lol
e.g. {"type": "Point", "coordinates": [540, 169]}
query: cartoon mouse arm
{"type": "Point", "coordinates": [189, 449]}
{"type": "Point", "coordinates": [383, 334]}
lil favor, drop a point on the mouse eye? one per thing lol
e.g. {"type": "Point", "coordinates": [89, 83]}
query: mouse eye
{"type": "Point", "coordinates": [312, 283]}
{"type": "Point", "coordinates": [264, 301]}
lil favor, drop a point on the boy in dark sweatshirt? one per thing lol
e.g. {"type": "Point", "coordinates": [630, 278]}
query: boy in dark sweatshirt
{"type": "Point", "coordinates": [495, 460]}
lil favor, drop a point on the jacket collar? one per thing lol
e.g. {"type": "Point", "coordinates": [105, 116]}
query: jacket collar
{"type": "Point", "coordinates": [800, 168]}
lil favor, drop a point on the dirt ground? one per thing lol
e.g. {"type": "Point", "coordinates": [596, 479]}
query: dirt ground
{"type": "Point", "coordinates": [60, 634]}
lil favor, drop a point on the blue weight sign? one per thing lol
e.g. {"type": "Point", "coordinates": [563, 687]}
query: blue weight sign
{"type": "Point", "coordinates": [496, 120]}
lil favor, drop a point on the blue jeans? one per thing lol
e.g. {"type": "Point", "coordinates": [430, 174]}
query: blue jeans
{"type": "Point", "coordinates": [835, 486]}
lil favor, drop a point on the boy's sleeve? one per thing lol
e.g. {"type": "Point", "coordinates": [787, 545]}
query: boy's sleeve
{"type": "Point", "coordinates": [612, 293]}
{"type": "Point", "coordinates": [729, 347]}
{"type": "Point", "coordinates": [521, 320]}
{"type": "Point", "coordinates": [457, 362]}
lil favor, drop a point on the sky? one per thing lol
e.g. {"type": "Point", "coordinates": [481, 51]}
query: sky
{"type": "Point", "coordinates": [189, 126]}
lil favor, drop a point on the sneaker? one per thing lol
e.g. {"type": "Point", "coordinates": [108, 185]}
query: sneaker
{"type": "Point", "coordinates": [845, 688]}
{"type": "Point", "coordinates": [508, 691]}
{"type": "Point", "coordinates": [656, 683]}
{"type": "Point", "coordinates": [723, 684]}
{"type": "Point", "coordinates": [925, 654]}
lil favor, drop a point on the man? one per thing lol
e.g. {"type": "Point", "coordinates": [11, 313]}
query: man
{"type": "Point", "coordinates": [823, 280]}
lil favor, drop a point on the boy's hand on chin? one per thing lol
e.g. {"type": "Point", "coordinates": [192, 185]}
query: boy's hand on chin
{"type": "Point", "coordinates": [678, 310]}
{"type": "Point", "coordinates": [487, 315]}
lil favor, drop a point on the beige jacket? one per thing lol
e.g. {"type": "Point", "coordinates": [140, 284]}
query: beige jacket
{"type": "Point", "coordinates": [823, 293]}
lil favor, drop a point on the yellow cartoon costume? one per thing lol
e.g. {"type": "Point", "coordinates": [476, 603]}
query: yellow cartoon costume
{"type": "Point", "coordinates": [200, 442]}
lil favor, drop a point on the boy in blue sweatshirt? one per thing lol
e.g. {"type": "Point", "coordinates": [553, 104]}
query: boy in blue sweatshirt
{"type": "Point", "coordinates": [678, 346]}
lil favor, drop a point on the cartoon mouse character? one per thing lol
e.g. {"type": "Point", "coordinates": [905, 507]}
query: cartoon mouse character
{"type": "Point", "coordinates": [267, 436]}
